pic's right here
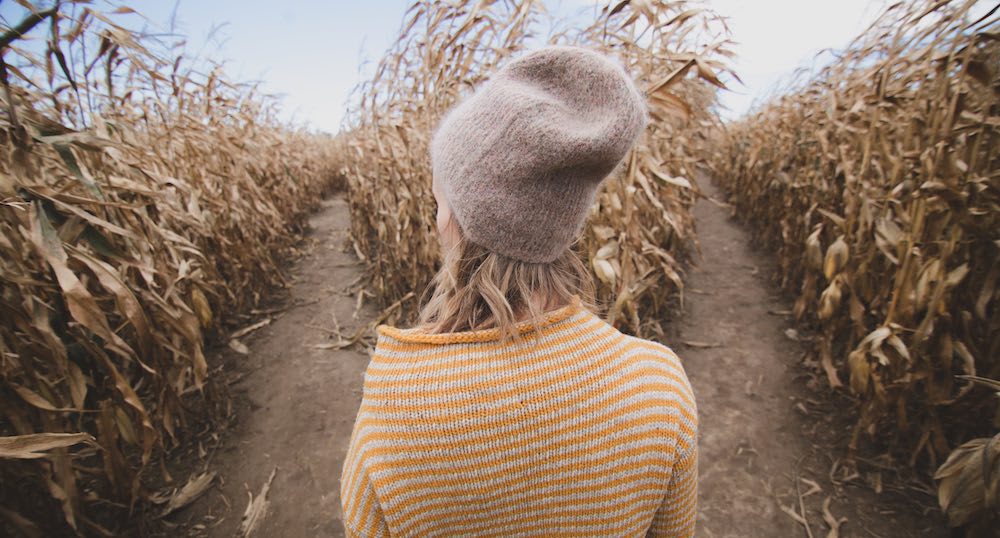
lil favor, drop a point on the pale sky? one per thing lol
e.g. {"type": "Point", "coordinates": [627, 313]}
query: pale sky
{"type": "Point", "coordinates": [777, 36]}
{"type": "Point", "coordinates": [310, 51]}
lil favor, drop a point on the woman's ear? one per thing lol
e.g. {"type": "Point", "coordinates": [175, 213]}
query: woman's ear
{"type": "Point", "coordinates": [447, 224]}
{"type": "Point", "coordinates": [448, 228]}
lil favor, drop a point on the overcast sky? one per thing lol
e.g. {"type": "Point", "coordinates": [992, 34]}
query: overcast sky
{"type": "Point", "coordinates": [777, 36]}
{"type": "Point", "coordinates": [310, 51]}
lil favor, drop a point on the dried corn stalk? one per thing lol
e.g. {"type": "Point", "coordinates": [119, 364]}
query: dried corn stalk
{"type": "Point", "coordinates": [877, 183]}
{"type": "Point", "coordinates": [969, 480]}
{"type": "Point", "coordinates": [640, 231]}
{"type": "Point", "coordinates": [143, 203]}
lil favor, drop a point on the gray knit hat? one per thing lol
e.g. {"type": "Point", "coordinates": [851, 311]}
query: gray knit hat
{"type": "Point", "coordinates": [521, 159]}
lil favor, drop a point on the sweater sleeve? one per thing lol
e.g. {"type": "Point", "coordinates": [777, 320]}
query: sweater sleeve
{"type": "Point", "coordinates": [676, 516]}
{"type": "Point", "coordinates": [363, 517]}
{"type": "Point", "coordinates": [362, 512]}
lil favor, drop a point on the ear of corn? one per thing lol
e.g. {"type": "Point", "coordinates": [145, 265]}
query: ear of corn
{"type": "Point", "coordinates": [145, 201]}
{"type": "Point", "coordinates": [640, 230]}
{"type": "Point", "coordinates": [877, 184]}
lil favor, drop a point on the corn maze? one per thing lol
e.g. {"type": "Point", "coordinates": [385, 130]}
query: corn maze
{"type": "Point", "coordinates": [876, 184]}
{"type": "Point", "coordinates": [147, 201]}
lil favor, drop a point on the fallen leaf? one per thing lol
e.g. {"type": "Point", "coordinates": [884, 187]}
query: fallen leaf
{"type": "Point", "coordinates": [195, 487]}
{"type": "Point", "coordinates": [251, 328]}
{"type": "Point", "coordinates": [256, 509]}
{"type": "Point", "coordinates": [341, 344]}
{"type": "Point", "coordinates": [831, 521]}
{"type": "Point", "coordinates": [238, 346]}
{"type": "Point", "coordinates": [698, 344]}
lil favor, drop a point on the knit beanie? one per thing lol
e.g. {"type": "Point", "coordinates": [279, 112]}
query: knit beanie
{"type": "Point", "coordinates": [521, 159]}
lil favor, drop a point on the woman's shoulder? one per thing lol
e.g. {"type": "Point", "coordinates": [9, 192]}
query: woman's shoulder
{"type": "Point", "coordinates": [662, 350]}
{"type": "Point", "coordinates": [671, 364]}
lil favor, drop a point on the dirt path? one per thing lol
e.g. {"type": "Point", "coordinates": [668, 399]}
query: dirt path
{"type": "Point", "coordinates": [295, 404]}
{"type": "Point", "coordinates": [295, 401]}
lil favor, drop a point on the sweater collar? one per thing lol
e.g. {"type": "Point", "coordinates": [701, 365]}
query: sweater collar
{"type": "Point", "coordinates": [417, 335]}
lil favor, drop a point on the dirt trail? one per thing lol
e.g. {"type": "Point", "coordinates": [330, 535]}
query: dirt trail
{"type": "Point", "coordinates": [295, 403]}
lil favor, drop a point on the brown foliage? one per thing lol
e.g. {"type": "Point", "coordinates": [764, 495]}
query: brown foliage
{"type": "Point", "coordinates": [877, 183]}
{"type": "Point", "coordinates": [143, 203]}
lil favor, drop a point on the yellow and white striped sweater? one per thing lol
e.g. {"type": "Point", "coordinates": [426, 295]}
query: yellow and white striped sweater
{"type": "Point", "coordinates": [577, 431]}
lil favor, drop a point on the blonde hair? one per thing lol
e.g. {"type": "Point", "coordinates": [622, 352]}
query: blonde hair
{"type": "Point", "coordinates": [479, 289]}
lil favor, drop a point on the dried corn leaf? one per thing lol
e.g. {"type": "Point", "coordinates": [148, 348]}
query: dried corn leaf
{"type": "Point", "coordinates": [887, 155]}
{"type": "Point", "coordinates": [37, 445]}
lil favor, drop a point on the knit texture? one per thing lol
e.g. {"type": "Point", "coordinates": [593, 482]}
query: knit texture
{"type": "Point", "coordinates": [520, 160]}
{"type": "Point", "coordinates": [577, 431]}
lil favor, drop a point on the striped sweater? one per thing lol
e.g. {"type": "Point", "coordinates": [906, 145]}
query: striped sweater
{"type": "Point", "coordinates": [578, 430]}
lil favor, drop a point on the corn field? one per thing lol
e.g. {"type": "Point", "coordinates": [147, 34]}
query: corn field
{"type": "Point", "coordinates": [147, 202]}
{"type": "Point", "coordinates": [640, 231]}
{"type": "Point", "coordinates": [877, 184]}
{"type": "Point", "coordinates": [146, 199]}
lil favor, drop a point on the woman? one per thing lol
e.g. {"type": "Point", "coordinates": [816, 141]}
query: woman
{"type": "Point", "coordinates": [513, 410]}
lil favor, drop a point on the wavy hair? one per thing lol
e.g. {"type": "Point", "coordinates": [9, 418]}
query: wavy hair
{"type": "Point", "coordinates": [478, 289]}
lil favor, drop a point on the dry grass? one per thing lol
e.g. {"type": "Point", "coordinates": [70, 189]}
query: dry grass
{"type": "Point", "coordinates": [144, 202]}
{"type": "Point", "coordinates": [877, 183]}
{"type": "Point", "coordinates": [639, 232]}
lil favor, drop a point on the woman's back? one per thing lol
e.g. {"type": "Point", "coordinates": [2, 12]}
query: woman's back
{"type": "Point", "coordinates": [573, 429]}
{"type": "Point", "coordinates": [576, 430]}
